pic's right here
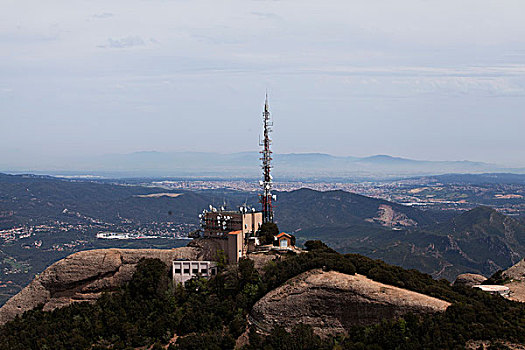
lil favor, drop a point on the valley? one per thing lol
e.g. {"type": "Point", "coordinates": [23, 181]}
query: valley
{"type": "Point", "coordinates": [444, 193]}
{"type": "Point", "coordinates": [44, 219]}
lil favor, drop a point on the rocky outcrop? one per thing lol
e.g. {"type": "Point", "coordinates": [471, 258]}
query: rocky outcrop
{"type": "Point", "coordinates": [516, 272]}
{"type": "Point", "coordinates": [469, 279]}
{"type": "Point", "coordinates": [84, 276]}
{"type": "Point", "coordinates": [211, 248]}
{"type": "Point", "coordinates": [516, 283]}
{"type": "Point", "coordinates": [389, 217]}
{"type": "Point", "coordinates": [332, 302]}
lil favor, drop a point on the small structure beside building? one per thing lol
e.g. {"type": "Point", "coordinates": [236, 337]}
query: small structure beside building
{"type": "Point", "coordinates": [494, 289]}
{"type": "Point", "coordinates": [184, 270]}
{"type": "Point", "coordinates": [284, 241]}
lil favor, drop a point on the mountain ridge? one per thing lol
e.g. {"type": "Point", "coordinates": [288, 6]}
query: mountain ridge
{"type": "Point", "coordinates": [480, 241]}
{"type": "Point", "coordinates": [351, 223]}
{"type": "Point", "coordinates": [154, 163]}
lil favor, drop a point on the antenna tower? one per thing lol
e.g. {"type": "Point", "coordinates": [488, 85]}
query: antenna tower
{"type": "Point", "coordinates": [266, 158]}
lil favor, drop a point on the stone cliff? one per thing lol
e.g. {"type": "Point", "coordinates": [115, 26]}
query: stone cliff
{"type": "Point", "coordinates": [469, 279]}
{"type": "Point", "coordinates": [85, 275]}
{"type": "Point", "coordinates": [332, 302]}
{"type": "Point", "coordinates": [516, 283]}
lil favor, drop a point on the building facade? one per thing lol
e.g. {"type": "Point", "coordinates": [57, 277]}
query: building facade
{"type": "Point", "coordinates": [236, 246]}
{"type": "Point", "coordinates": [234, 230]}
{"type": "Point", "coordinates": [219, 223]}
{"type": "Point", "coordinates": [185, 270]}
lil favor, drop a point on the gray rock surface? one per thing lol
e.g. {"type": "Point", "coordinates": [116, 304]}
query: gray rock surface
{"type": "Point", "coordinates": [84, 276]}
{"type": "Point", "coordinates": [332, 302]}
{"type": "Point", "coordinates": [516, 274]}
{"type": "Point", "coordinates": [517, 271]}
{"type": "Point", "coordinates": [469, 279]}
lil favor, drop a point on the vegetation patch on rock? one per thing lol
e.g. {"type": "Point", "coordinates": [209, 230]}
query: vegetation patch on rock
{"type": "Point", "coordinates": [212, 314]}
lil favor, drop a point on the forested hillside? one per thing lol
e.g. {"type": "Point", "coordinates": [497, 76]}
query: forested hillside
{"type": "Point", "coordinates": [212, 314]}
{"type": "Point", "coordinates": [306, 208]}
{"type": "Point", "coordinates": [480, 241]}
{"type": "Point", "coordinates": [36, 200]}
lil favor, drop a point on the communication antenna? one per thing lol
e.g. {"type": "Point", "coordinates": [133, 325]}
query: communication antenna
{"type": "Point", "coordinates": [266, 158]}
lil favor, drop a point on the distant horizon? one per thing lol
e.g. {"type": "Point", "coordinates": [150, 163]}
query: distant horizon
{"type": "Point", "coordinates": [239, 165]}
{"type": "Point", "coordinates": [309, 153]}
{"type": "Point", "coordinates": [254, 151]}
{"type": "Point", "coordinates": [19, 155]}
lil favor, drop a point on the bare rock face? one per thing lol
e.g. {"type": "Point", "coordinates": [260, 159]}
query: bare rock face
{"type": "Point", "coordinates": [516, 274]}
{"type": "Point", "coordinates": [469, 279]}
{"type": "Point", "coordinates": [388, 217]}
{"type": "Point", "coordinates": [332, 302]}
{"type": "Point", "coordinates": [84, 276]}
{"type": "Point", "coordinates": [211, 248]}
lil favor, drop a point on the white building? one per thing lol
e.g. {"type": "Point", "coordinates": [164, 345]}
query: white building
{"type": "Point", "coordinates": [184, 270]}
{"type": "Point", "coordinates": [494, 289]}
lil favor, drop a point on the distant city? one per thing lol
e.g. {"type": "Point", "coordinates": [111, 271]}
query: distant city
{"type": "Point", "coordinates": [424, 192]}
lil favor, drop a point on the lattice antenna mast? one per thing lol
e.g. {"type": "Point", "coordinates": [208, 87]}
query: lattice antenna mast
{"type": "Point", "coordinates": [266, 158]}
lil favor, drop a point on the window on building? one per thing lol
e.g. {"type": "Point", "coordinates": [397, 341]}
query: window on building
{"type": "Point", "coordinates": [177, 270]}
{"type": "Point", "coordinates": [187, 271]}
{"type": "Point", "coordinates": [204, 271]}
{"type": "Point", "coordinates": [195, 271]}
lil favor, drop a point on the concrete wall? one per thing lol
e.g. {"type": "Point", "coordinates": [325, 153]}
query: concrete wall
{"type": "Point", "coordinates": [245, 222]}
{"type": "Point", "coordinates": [251, 222]}
{"type": "Point", "coordinates": [235, 247]}
{"type": "Point", "coordinates": [185, 270]}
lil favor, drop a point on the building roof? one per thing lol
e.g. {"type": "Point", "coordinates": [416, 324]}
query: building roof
{"type": "Point", "coordinates": [492, 288]}
{"type": "Point", "coordinates": [283, 234]}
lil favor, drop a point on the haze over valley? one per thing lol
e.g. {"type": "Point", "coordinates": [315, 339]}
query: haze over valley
{"type": "Point", "coordinates": [295, 166]}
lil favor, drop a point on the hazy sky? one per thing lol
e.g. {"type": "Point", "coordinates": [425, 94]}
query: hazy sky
{"type": "Point", "coordinates": [420, 79]}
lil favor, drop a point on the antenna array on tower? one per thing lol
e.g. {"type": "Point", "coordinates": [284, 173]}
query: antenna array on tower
{"type": "Point", "coordinates": [266, 158]}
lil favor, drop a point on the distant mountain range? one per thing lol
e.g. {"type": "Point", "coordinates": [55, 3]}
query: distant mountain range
{"type": "Point", "coordinates": [246, 165]}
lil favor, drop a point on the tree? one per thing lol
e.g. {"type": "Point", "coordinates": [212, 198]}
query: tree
{"type": "Point", "coordinates": [267, 232]}
{"type": "Point", "coordinates": [317, 245]}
